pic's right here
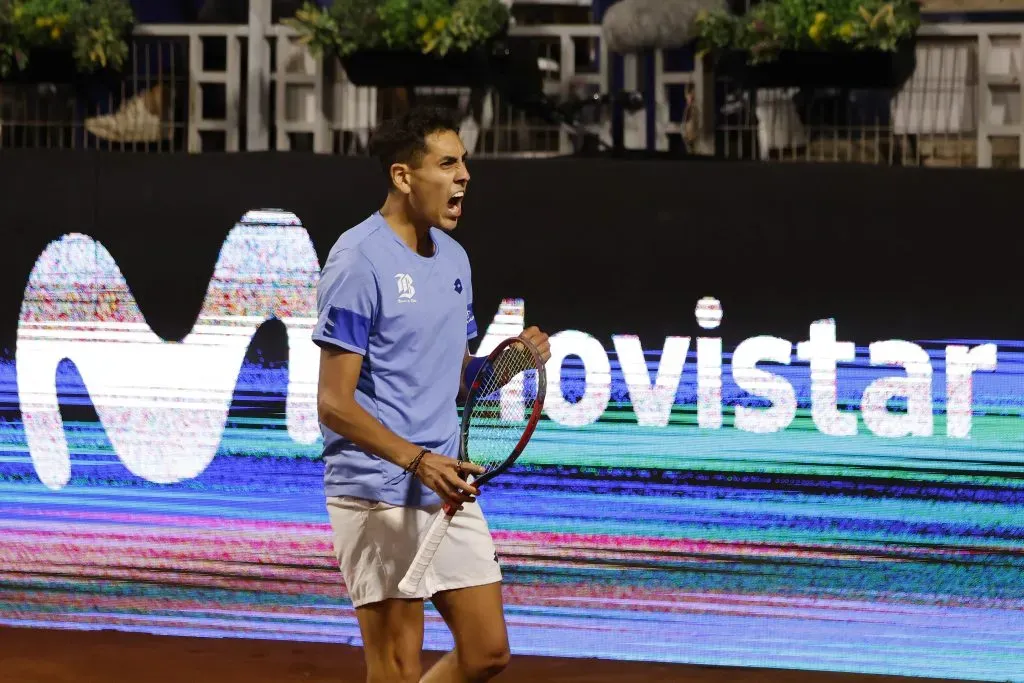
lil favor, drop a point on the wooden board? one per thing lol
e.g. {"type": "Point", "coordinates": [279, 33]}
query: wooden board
{"type": "Point", "coordinates": [946, 6]}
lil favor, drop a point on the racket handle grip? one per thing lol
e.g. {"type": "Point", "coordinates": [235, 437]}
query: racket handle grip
{"type": "Point", "coordinates": [426, 551]}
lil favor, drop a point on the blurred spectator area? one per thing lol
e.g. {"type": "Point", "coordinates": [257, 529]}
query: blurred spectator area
{"type": "Point", "coordinates": [198, 82]}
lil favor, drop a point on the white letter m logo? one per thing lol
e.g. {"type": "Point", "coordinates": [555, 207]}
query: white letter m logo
{"type": "Point", "coordinates": [163, 404]}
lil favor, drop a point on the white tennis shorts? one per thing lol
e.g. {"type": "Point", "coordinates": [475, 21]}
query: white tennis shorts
{"type": "Point", "coordinates": [375, 544]}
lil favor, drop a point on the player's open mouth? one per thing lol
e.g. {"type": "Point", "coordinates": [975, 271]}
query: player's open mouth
{"type": "Point", "coordinates": [455, 204]}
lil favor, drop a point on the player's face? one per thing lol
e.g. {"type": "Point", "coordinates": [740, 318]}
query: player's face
{"type": "Point", "coordinates": [438, 184]}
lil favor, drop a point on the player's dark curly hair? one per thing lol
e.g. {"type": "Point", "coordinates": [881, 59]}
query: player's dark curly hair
{"type": "Point", "coordinates": [403, 139]}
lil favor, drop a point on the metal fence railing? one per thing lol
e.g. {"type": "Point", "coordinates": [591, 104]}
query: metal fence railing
{"type": "Point", "coordinates": [177, 85]}
{"type": "Point", "coordinates": [317, 106]}
{"type": "Point", "coordinates": [962, 107]}
{"type": "Point", "coordinates": [210, 87]}
{"type": "Point", "coordinates": [187, 89]}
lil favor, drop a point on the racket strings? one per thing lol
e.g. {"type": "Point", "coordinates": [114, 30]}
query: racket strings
{"type": "Point", "coordinates": [498, 416]}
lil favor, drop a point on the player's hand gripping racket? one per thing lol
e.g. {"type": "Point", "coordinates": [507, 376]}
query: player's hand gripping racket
{"type": "Point", "coordinates": [496, 427]}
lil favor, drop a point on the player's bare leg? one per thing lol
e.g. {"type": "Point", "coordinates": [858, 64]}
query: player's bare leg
{"type": "Point", "coordinates": [392, 633]}
{"type": "Point", "coordinates": [477, 622]}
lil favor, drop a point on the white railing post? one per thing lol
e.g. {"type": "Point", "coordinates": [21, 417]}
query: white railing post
{"type": "Point", "coordinates": [983, 96]}
{"type": "Point", "coordinates": [704, 103]}
{"type": "Point", "coordinates": [324, 75]}
{"type": "Point", "coordinates": [566, 73]}
{"type": "Point", "coordinates": [1020, 100]}
{"type": "Point", "coordinates": [195, 93]}
{"type": "Point", "coordinates": [233, 94]}
{"type": "Point", "coordinates": [257, 101]}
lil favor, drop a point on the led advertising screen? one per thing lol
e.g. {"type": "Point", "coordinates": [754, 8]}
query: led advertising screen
{"type": "Point", "coordinates": [701, 489]}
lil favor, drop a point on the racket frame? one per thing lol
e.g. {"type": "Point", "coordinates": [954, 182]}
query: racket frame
{"type": "Point", "coordinates": [439, 526]}
{"type": "Point", "coordinates": [531, 420]}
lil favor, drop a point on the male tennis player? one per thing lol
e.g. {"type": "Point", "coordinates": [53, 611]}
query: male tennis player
{"type": "Point", "coordinates": [395, 303]}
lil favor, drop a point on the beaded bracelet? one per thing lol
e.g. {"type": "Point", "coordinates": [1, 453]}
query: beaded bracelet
{"type": "Point", "coordinates": [410, 468]}
{"type": "Point", "coordinates": [416, 461]}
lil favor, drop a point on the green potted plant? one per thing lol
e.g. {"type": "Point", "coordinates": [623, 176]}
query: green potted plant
{"type": "Point", "coordinates": [60, 40]}
{"type": "Point", "coordinates": [406, 42]}
{"type": "Point", "coordinates": [814, 43]}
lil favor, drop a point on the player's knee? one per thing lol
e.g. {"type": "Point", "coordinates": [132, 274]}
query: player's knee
{"type": "Point", "coordinates": [394, 667]}
{"type": "Point", "coordinates": [485, 663]}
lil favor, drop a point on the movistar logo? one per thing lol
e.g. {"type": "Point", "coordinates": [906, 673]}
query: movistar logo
{"type": "Point", "coordinates": [163, 404]}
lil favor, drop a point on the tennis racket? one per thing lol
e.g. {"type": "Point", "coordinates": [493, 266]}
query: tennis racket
{"type": "Point", "coordinates": [496, 426]}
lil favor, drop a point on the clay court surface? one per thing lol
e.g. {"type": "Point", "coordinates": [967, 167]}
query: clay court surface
{"type": "Point", "coordinates": [45, 656]}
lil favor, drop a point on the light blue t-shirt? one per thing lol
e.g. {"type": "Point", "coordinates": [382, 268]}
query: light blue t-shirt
{"type": "Point", "coordinates": [410, 317]}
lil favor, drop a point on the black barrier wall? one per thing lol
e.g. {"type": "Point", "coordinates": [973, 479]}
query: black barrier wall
{"type": "Point", "coordinates": [593, 245]}
{"type": "Point", "coordinates": [818, 466]}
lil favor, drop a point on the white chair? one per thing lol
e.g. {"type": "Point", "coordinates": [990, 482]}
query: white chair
{"type": "Point", "coordinates": [936, 98]}
{"type": "Point", "coordinates": [778, 121]}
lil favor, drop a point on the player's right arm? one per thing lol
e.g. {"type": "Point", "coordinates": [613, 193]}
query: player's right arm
{"type": "Point", "coordinates": [346, 300]}
{"type": "Point", "coordinates": [342, 414]}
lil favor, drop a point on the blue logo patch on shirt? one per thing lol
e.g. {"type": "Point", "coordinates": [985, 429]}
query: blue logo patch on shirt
{"type": "Point", "coordinates": [458, 285]}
